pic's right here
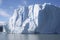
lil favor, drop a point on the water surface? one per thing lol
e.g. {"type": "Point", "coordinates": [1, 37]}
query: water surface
{"type": "Point", "coordinates": [5, 36]}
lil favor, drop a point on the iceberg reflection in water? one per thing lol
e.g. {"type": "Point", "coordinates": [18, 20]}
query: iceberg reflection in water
{"type": "Point", "coordinates": [5, 36]}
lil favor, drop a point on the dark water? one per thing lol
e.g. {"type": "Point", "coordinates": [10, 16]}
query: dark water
{"type": "Point", "coordinates": [5, 36]}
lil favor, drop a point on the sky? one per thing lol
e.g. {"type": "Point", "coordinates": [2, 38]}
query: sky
{"type": "Point", "coordinates": [7, 6]}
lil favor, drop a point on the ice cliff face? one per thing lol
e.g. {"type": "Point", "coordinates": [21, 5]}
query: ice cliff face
{"type": "Point", "coordinates": [15, 21]}
{"type": "Point", "coordinates": [40, 19]}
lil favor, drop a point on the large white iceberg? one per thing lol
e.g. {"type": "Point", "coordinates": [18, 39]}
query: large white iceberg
{"type": "Point", "coordinates": [40, 19]}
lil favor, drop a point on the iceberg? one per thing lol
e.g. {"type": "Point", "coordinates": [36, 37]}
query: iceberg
{"type": "Point", "coordinates": [35, 19]}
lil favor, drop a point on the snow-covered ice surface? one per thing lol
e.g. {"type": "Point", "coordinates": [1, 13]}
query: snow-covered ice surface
{"type": "Point", "coordinates": [40, 19]}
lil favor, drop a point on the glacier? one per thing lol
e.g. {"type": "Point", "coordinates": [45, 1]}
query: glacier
{"type": "Point", "coordinates": [35, 19]}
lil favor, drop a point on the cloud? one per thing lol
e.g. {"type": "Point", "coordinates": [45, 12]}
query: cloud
{"type": "Point", "coordinates": [2, 22]}
{"type": "Point", "coordinates": [4, 13]}
{"type": "Point", "coordinates": [0, 2]}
